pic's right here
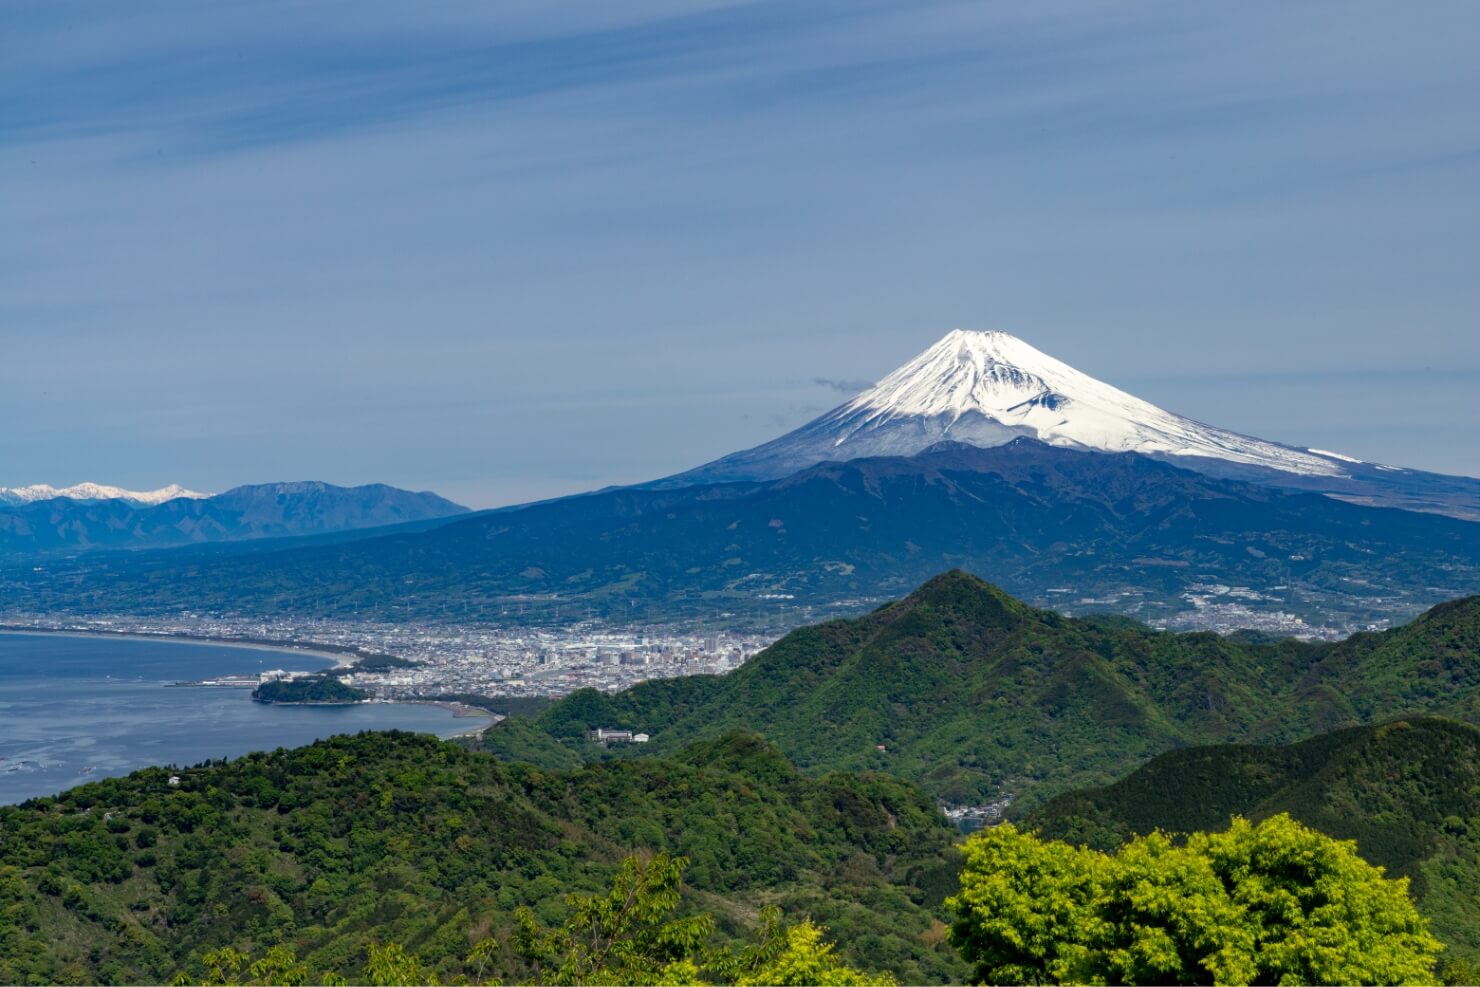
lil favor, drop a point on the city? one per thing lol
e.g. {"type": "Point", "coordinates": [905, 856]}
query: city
{"type": "Point", "coordinates": [409, 662]}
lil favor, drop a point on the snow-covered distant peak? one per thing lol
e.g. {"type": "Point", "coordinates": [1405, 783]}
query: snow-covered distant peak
{"type": "Point", "coordinates": [989, 372]}
{"type": "Point", "coordinates": [94, 491]}
{"type": "Point", "coordinates": [984, 388]}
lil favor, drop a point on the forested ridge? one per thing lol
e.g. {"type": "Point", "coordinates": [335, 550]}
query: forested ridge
{"type": "Point", "coordinates": [393, 837]}
{"type": "Point", "coordinates": [397, 858]}
{"type": "Point", "coordinates": [972, 694]}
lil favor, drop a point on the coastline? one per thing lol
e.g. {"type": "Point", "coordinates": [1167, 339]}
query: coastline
{"type": "Point", "coordinates": [459, 711]}
{"type": "Point", "coordinates": [128, 723]}
{"type": "Point", "coordinates": [462, 711]}
{"type": "Point", "coordinates": [339, 659]}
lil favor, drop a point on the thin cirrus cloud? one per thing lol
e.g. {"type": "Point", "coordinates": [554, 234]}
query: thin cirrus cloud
{"type": "Point", "coordinates": [848, 387]}
{"type": "Point", "coordinates": [515, 250]}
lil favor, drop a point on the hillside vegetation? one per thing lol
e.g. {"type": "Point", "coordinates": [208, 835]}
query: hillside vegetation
{"type": "Point", "coordinates": [1272, 903]}
{"type": "Point", "coordinates": [308, 689]}
{"type": "Point", "coordinates": [391, 837]}
{"type": "Point", "coordinates": [1408, 793]}
{"type": "Point", "coordinates": [971, 693]}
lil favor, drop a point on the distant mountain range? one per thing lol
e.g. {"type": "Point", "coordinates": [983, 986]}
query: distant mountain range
{"type": "Point", "coordinates": [971, 694]}
{"type": "Point", "coordinates": [78, 521]}
{"type": "Point", "coordinates": [93, 491]}
{"type": "Point", "coordinates": [981, 453]}
{"type": "Point", "coordinates": [1077, 530]}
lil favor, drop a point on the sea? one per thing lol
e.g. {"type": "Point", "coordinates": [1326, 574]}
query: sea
{"type": "Point", "coordinates": [75, 709]}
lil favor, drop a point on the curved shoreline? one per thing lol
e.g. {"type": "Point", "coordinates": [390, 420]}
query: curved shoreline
{"type": "Point", "coordinates": [340, 659]}
{"type": "Point", "coordinates": [460, 711]}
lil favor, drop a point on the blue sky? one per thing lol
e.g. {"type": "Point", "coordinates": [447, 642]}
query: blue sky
{"type": "Point", "coordinates": [511, 250]}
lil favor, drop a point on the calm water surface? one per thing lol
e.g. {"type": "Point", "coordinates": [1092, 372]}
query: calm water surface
{"type": "Point", "coordinates": [71, 704]}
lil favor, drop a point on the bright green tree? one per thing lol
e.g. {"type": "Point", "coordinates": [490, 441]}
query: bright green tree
{"type": "Point", "coordinates": [806, 959]}
{"type": "Point", "coordinates": [627, 936]}
{"type": "Point", "coordinates": [279, 967]}
{"type": "Point", "coordinates": [1320, 912]}
{"type": "Point", "coordinates": [480, 958]}
{"type": "Point", "coordinates": [1272, 903]}
{"type": "Point", "coordinates": [624, 936]}
{"type": "Point", "coordinates": [783, 956]}
{"type": "Point", "coordinates": [391, 966]}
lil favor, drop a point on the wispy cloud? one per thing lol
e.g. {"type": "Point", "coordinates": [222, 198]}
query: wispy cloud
{"type": "Point", "coordinates": [848, 387]}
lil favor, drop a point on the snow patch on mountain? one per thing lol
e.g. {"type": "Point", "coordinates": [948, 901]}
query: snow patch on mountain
{"type": "Point", "coordinates": [95, 491]}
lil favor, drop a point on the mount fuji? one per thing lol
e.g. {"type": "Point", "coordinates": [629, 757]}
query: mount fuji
{"type": "Point", "coordinates": [982, 453]}
{"type": "Point", "coordinates": [985, 389]}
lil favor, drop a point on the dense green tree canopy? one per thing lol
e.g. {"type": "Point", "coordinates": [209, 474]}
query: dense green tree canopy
{"type": "Point", "coordinates": [1274, 902]}
{"type": "Point", "coordinates": [310, 689]}
{"type": "Point", "coordinates": [344, 848]}
{"type": "Point", "coordinates": [629, 934]}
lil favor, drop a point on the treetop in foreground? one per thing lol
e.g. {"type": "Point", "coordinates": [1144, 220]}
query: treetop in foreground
{"type": "Point", "coordinates": [1274, 902]}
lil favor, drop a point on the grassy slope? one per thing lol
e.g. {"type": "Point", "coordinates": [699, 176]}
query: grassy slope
{"type": "Point", "coordinates": [972, 692]}
{"type": "Point", "coordinates": [1407, 791]}
{"type": "Point", "coordinates": [404, 838]}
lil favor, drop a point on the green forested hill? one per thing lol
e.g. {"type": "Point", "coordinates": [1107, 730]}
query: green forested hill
{"type": "Point", "coordinates": [1407, 791]}
{"type": "Point", "coordinates": [972, 693]}
{"type": "Point", "coordinates": [397, 837]}
{"type": "Point", "coordinates": [308, 689]}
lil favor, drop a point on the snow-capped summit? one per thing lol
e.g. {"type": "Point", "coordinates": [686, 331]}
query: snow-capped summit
{"type": "Point", "coordinates": [973, 379]}
{"type": "Point", "coordinates": [94, 491]}
{"type": "Point", "coordinates": [986, 389]}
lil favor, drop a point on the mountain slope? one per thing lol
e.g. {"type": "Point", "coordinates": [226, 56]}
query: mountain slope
{"type": "Point", "coordinates": [985, 389]}
{"type": "Point", "coordinates": [395, 837]}
{"type": "Point", "coordinates": [972, 693]}
{"type": "Point", "coordinates": [1134, 533]}
{"type": "Point", "coordinates": [260, 511]}
{"type": "Point", "coordinates": [1408, 792]}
